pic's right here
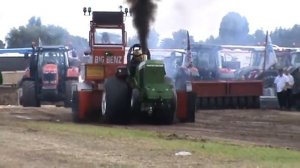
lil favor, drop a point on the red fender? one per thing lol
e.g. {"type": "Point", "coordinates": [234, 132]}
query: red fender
{"type": "Point", "coordinates": [73, 72]}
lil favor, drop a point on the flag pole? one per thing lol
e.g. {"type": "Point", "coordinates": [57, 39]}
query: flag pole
{"type": "Point", "coordinates": [188, 49]}
{"type": "Point", "coordinates": [265, 54]}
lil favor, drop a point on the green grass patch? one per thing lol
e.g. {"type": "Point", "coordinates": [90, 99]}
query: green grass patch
{"type": "Point", "coordinates": [91, 130]}
{"type": "Point", "coordinates": [263, 156]}
{"type": "Point", "coordinates": [254, 155]}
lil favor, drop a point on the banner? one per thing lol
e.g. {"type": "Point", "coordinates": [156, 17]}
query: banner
{"type": "Point", "coordinates": [270, 56]}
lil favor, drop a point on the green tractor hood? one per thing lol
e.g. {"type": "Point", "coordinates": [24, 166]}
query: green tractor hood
{"type": "Point", "coordinates": [151, 80]}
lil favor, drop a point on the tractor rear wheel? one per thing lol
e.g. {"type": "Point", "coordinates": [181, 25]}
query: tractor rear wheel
{"type": "Point", "coordinates": [135, 103]}
{"type": "Point", "coordinates": [29, 98]}
{"type": "Point", "coordinates": [75, 107]}
{"type": "Point", "coordinates": [116, 99]}
{"type": "Point", "coordinates": [68, 93]}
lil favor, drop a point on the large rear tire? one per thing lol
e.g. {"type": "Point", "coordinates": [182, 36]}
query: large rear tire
{"type": "Point", "coordinates": [68, 93]}
{"type": "Point", "coordinates": [75, 107]}
{"type": "Point", "coordinates": [29, 98]}
{"type": "Point", "coordinates": [135, 103]}
{"type": "Point", "coordinates": [116, 99]}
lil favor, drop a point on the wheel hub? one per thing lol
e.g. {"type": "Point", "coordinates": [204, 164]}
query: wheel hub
{"type": "Point", "coordinates": [103, 104]}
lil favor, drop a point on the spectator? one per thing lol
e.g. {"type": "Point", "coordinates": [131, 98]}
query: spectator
{"type": "Point", "coordinates": [289, 88]}
{"type": "Point", "coordinates": [281, 81]}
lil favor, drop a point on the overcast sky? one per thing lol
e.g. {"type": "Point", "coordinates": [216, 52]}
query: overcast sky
{"type": "Point", "coordinates": [201, 17]}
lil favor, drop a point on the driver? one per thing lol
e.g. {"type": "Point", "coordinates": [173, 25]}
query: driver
{"type": "Point", "coordinates": [51, 58]}
{"type": "Point", "coordinates": [136, 59]}
{"type": "Point", "coordinates": [137, 55]}
{"type": "Point", "coordinates": [105, 38]}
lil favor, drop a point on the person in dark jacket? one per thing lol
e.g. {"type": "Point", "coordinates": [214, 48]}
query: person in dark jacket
{"type": "Point", "coordinates": [289, 89]}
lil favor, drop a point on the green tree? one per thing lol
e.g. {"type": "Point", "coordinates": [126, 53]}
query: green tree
{"type": "Point", "coordinates": [2, 44]}
{"type": "Point", "coordinates": [167, 43]}
{"type": "Point", "coordinates": [79, 44]}
{"type": "Point", "coordinates": [234, 29]}
{"type": "Point", "coordinates": [133, 40]}
{"type": "Point", "coordinates": [178, 40]}
{"type": "Point", "coordinates": [294, 35]}
{"type": "Point", "coordinates": [34, 21]}
{"type": "Point", "coordinates": [24, 35]}
{"type": "Point", "coordinates": [153, 39]}
{"type": "Point", "coordinates": [286, 37]}
{"type": "Point", "coordinates": [212, 40]}
{"type": "Point", "coordinates": [35, 30]}
{"type": "Point", "coordinates": [258, 38]}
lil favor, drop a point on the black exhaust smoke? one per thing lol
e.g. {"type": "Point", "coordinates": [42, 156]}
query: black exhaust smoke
{"type": "Point", "coordinates": [143, 14]}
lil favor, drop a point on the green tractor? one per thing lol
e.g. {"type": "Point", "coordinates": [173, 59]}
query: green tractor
{"type": "Point", "coordinates": [139, 90]}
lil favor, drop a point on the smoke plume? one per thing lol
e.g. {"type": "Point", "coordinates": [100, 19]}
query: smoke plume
{"type": "Point", "coordinates": [143, 14]}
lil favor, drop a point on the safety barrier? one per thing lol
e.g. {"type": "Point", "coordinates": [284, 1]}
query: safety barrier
{"type": "Point", "coordinates": [228, 94]}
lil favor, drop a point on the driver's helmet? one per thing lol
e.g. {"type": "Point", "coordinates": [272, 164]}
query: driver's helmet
{"type": "Point", "coordinates": [137, 54]}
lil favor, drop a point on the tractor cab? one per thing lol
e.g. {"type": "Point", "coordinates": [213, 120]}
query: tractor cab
{"type": "Point", "coordinates": [107, 41]}
{"type": "Point", "coordinates": [49, 77]}
{"type": "Point", "coordinates": [206, 60]}
{"type": "Point", "coordinates": [47, 56]}
{"type": "Point", "coordinates": [295, 59]}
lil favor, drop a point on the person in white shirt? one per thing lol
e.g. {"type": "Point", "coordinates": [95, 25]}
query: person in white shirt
{"type": "Point", "coordinates": [281, 81]}
{"type": "Point", "coordinates": [289, 88]}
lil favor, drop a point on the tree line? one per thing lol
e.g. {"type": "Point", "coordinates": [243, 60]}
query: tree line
{"type": "Point", "coordinates": [35, 31]}
{"type": "Point", "coordinates": [233, 30]}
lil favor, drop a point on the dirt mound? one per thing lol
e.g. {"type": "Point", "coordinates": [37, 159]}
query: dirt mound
{"type": "Point", "coordinates": [8, 95]}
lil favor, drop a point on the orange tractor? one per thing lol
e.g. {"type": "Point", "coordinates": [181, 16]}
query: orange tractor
{"type": "Point", "coordinates": [48, 78]}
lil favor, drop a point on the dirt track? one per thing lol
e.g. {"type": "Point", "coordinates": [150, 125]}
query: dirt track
{"type": "Point", "coordinates": [262, 127]}
{"type": "Point", "coordinates": [44, 144]}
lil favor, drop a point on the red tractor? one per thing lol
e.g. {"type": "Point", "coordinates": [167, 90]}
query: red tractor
{"type": "Point", "coordinates": [107, 41]}
{"type": "Point", "coordinates": [49, 77]}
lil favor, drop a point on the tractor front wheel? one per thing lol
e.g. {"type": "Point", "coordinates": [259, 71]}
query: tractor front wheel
{"type": "Point", "coordinates": [68, 93]}
{"type": "Point", "coordinates": [166, 115]}
{"type": "Point", "coordinates": [75, 107]}
{"type": "Point", "coordinates": [29, 98]}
